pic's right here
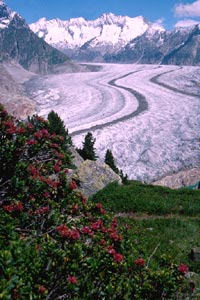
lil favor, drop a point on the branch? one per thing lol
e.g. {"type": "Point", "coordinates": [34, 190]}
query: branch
{"type": "Point", "coordinates": [150, 257]}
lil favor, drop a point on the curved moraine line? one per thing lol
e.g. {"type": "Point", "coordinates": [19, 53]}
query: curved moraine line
{"type": "Point", "coordinates": [169, 87]}
{"type": "Point", "coordinates": [142, 106]}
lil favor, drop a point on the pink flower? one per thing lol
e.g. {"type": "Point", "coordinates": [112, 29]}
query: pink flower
{"type": "Point", "coordinates": [53, 136]}
{"type": "Point", "coordinates": [75, 208]}
{"type": "Point", "coordinates": [18, 206]}
{"type": "Point", "coordinates": [29, 126]}
{"type": "Point", "coordinates": [46, 195]}
{"type": "Point", "coordinates": [13, 207]}
{"type": "Point", "coordinates": [54, 145]}
{"type": "Point", "coordinates": [20, 130]}
{"type": "Point", "coordinates": [114, 223]}
{"type": "Point", "coordinates": [118, 257]}
{"type": "Point", "coordinates": [31, 142]}
{"type": "Point", "coordinates": [111, 250]}
{"type": "Point", "coordinates": [74, 234]}
{"type": "Point", "coordinates": [65, 232]}
{"type": "Point", "coordinates": [102, 242]}
{"type": "Point", "coordinates": [96, 225]}
{"type": "Point", "coordinates": [45, 133]}
{"type": "Point", "coordinates": [140, 262]}
{"type": "Point", "coordinates": [183, 268]}
{"type": "Point", "coordinates": [84, 200]}
{"type": "Point", "coordinates": [42, 210]}
{"type": "Point", "coordinates": [99, 205]}
{"type": "Point", "coordinates": [8, 208]}
{"type": "Point", "coordinates": [102, 211]}
{"type": "Point", "coordinates": [56, 168]}
{"type": "Point", "coordinates": [73, 185]}
{"type": "Point", "coordinates": [114, 236]}
{"type": "Point", "coordinates": [72, 279]}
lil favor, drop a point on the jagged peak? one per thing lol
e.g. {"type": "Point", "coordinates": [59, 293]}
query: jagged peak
{"type": "Point", "coordinates": [79, 20]}
{"type": "Point", "coordinates": [2, 3]}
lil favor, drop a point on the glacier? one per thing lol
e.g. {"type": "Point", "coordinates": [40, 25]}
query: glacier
{"type": "Point", "coordinates": [148, 142]}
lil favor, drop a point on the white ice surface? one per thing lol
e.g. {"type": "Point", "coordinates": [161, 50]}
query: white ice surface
{"type": "Point", "coordinates": [163, 139]}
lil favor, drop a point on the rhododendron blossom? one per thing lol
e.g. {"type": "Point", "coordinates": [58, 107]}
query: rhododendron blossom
{"type": "Point", "coordinates": [72, 279]}
{"type": "Point", "coordinates": [140, 262]}
{"type": "Point", "coordinates": [14, 207]}
{"type": "Point", "coordinates": [42, 210]}
{"type": "Point", "coordinates": [31, 142]}
{"type": "Point", "coordinates": [183, 268]}
{"type": "Point", "coordinates": [118, 257]}
{"type": "Point", "coordinates": [73, 185]}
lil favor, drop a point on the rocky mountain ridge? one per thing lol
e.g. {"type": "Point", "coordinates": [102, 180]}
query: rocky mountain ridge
{"type": "Point", "coordinates": [82, 39]}
{"type": "Point", "coordinates": [117, 39]}
{"type": "Point", "coordinates": [19, 43]}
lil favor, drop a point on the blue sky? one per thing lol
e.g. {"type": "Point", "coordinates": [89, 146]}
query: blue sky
{"type": "Point", "coordinates": [169, 12]}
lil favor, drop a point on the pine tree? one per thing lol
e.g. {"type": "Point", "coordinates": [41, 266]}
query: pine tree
{"type": "Point", "coordinates": [124, 178]}
{"type": "Point", "coordinates": [88, 150]}
{"type": "Point", "coordinates": [109, 160]}
{"type": "Point", "coordinates": [56, 125]}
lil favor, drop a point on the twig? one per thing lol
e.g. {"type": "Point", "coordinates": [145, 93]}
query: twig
{"type": "Point", "coordinates": [150, 257]}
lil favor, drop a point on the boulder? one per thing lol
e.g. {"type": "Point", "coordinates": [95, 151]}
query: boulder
{"type": "Point", "coordinates": [93, 176]}
{"type": "Point", "coordinates": [195, 254]}
{"type": "Point", "coordinates": [77, 160]}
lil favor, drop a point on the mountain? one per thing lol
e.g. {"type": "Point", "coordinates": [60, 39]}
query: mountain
{"type": "Point", "coordinates": [19, 43]}
{"type": "Point", "coordinates": [176, 47]}
{"type": "Point", "coordinates": [157, 48]}
{"type": "Point", "coordinates": [92, 40]}
{"type": "Point", "coordinates": [113, 38]}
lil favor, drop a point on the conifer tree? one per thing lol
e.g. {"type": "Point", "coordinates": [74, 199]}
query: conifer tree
{"type": "Point", "coordinates": [56, 125]}
{"type": "Point", "coordinates": [88, 150]}
{"type": "Point", "coordinates": [123, 177]}
{"type": "Point", "coordinates": [109, 160]}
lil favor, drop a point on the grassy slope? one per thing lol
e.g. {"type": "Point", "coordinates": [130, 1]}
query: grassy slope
{"type": "Point", "coordinates": [161, 220]}
{"type": "Point", "coordinates": [138, 197]}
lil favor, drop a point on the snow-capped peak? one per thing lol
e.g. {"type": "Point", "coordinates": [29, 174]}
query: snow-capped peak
{"type": "Point", "coordinates": [6, 15]}
{"type": "Point", "coordinates": [108, 29]}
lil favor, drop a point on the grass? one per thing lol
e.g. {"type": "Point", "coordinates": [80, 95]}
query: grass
{"type": "Point", "coordinates": [164, 223]}
{"type": "Point", "coordinates": [138, 197]}
{"type": "Point", "coordinates": [173, 237]}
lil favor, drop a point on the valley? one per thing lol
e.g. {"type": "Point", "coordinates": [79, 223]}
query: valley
{"type": "Point", "coordinates": [148, 115]}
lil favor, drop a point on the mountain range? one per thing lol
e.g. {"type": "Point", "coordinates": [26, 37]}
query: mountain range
{"type": "Point", "coordinates": [46, 46]}
{"type": "Point", "coordinates": [112, 38]}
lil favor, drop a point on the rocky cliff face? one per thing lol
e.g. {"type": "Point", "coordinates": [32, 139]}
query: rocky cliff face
{"type": "Point", "coordinates": [19, 43]}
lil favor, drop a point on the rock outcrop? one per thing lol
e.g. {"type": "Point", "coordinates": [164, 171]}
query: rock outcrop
{"type": "Point", "coordinates": [93, 176]}
{"type": "Point", "coordinates": [183, 178]}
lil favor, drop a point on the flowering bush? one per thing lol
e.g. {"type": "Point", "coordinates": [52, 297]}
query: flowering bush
{"type": "Point", "coordinates": [56, 245]}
